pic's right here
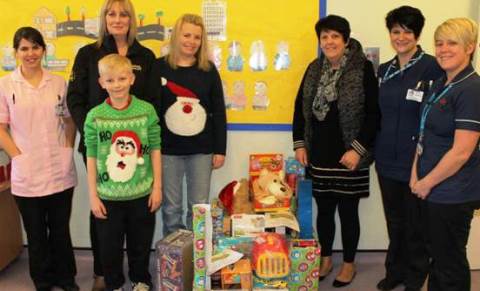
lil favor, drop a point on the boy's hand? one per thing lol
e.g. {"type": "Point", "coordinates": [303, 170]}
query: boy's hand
{"type": "Point", "coordinates": [217, 161]}
{"type": "Point", "coordinates": [98, 209]}
{"type": "Point", "coordinates": [155, 199]}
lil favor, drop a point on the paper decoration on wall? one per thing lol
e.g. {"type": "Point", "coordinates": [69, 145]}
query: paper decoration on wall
{"type": "Point", "coordinates": [215, 18]}
{"type": "Point", "coordinates": [151, 31]}
{"type": "Point", "coordinates": [282, 58]}
{"type": "Point", "coordinates": [238, 98]}
{"type": "Point", "coordinates": [52, 63]}
{"type": "Point", "coordinates": [373, 55]}
{"type": "Point", "coordinates": [45, 21]}
{"type": "Point", "coordinates": [258, 58]}
{"type": "Point", "coordinates": [8, 59]}
{"type": "Point", "coordinates": [235, 60]}
{"type": "Point", "coordinates": [216, 55]}
{"type": "Point", "coordinates": [260, 99]}
{"type": "Point", "coordinates": [164, 50]}
{"type": "Point", "coordinates": [225, 94]}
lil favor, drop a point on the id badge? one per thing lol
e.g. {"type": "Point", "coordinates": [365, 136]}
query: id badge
{"type": "Point", "coordinates": [419, 149]}
{"type": "Point", "coordinates": [60, 109]}
{"type": "Point", "coordinates": [414, 95]}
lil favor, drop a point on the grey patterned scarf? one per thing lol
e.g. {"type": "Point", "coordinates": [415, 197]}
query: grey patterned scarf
{"type": "Point", "coordinates": [350, 96]}
{"type": "Point", "coordinates": [327, 91]}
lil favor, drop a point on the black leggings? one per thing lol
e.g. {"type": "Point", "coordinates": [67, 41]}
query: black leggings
{"type": "Point", "coordinates": [350, 223]}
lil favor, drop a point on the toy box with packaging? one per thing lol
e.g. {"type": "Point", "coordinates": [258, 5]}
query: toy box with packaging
{"type": "Point", "coordinates": [174, 261]}
{"type": "Point", "coordinates": [252, 250]}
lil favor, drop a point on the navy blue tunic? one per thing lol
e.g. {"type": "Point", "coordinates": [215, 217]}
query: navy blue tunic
{"type": "Point", "coordinates": [397, 138]}
{"type": "Point", "coordinates": [459, 108]}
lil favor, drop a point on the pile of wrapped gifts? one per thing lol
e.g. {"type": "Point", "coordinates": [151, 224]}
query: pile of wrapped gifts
{"type": "Point", "coordinates": [256, 235]}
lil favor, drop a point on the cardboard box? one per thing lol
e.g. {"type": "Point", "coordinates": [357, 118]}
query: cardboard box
{"type": "Point", "coordinates": [249, 225]}
{"type": "Point", "coordinates": [238, 274]}
{"type": "Point", "coordinates": [174, 261]}
{"type": "Point", "coordinates": [11, 243]}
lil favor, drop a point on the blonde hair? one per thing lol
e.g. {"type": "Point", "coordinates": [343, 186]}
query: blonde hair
{"type": "Point", "coordinates": [114, 63]}
{"type": "Point", "coordinates": [462, 30]}
{"type": "Point", "coordinates": [202, 53]}
{"type": "Point", "coordinates": [128, 7]}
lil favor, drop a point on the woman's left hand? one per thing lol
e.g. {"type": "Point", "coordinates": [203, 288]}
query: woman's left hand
{"type": "Point", "coordinates": [350, 159]}
{"type": "Point", "coordinates": [421, 189]}
{"type": "Point", "coordinates": [217, 161]}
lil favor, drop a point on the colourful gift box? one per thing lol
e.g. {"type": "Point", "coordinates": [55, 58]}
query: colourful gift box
{"type": "Point", "coordinates": [174, 261]}
{"type": "Point", "coordinates": [305, 260]}
{"type": "Point", "coordinates": [202, 237]}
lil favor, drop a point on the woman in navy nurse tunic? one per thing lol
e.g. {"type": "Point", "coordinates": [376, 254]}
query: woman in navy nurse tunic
{"type": "Point", "coordinates": [446, 169]}
{"type": "Point", "coordinates": [404, 81]}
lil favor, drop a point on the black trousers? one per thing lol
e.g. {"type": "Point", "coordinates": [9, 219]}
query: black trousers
{"type": "Point", "coordinates": [94, 240]}
{"type": "Point", "coordinates": [349, 220]}
{"type": "Point", "coordinates": [47, 224]}
{"type": "Point", "coordinates": [407, 256]}
{"type": "Point", "coordinates": [132, 220]}
{"type": "Point", "coordinates": [448, 231]}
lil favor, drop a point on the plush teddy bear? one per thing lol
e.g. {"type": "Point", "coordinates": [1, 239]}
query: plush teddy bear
{"type": "Point", "coordinates": [235, 197]}
{"type": "Point", "coordinates": [270, 188]}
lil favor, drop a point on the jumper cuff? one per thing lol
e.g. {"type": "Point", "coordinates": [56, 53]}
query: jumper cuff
{"type": "Point", "coordinates": [356, 146]}
{"type": "Point", "coordinates": [298, 144]}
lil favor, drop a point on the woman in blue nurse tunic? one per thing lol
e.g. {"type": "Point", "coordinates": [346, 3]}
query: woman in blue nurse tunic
{"type": "Point", "coordinates": [446, 170]}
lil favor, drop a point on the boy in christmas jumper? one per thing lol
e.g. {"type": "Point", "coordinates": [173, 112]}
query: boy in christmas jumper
{"type": "Point", "coordinates": [122, 137]}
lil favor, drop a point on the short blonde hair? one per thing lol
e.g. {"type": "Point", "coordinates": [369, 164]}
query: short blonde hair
{"type": "Point", "coordinates": [462, 30]}
{"type": "Point", "coordinates": [114, 63]}
{"type": "Point", "coordinates": [132, 30]}
{"type": "Point", "coordinates": [202, 53]}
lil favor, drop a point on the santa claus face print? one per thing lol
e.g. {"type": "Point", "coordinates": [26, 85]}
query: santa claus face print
{"type": "Point", "coordinates": [186, 117]}
{"type": "Point", "coordinates": [190, 40]}
{"type": "Point", "coordinates": [122, 160]}
{"type": "Point", "coordinates": [117, 84]}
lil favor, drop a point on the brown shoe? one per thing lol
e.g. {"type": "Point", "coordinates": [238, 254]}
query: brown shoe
{"type": "Point", "coordinates": [98, 283]}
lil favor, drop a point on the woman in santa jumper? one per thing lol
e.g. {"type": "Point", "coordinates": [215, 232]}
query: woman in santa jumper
{"type": "Point", "coordinates": [193, 120]}
{"type": "Point", "coordinates": [117, 35]}
{"type": "Point", "coordinates": [37, 132]}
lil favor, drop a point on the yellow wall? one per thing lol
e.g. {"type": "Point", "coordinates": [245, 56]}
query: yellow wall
{"type": "Point", "coordinates": [247, 21]}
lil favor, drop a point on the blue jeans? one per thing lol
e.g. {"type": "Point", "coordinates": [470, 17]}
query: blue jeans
{"type": "Point", "coordinates": [197, 169]}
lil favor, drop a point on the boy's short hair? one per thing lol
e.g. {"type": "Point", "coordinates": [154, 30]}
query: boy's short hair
{"type": "Point", "coordinates": [114, 63]}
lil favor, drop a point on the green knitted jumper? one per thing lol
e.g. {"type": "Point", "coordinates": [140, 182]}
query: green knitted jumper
{"type": "Point", "coordinates": [121, 141]}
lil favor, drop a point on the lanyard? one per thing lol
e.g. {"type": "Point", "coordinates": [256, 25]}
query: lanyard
{"type": "Point", "coordinates": [433, 100]}
{"type": "Point", "coordinates": [411, 63]}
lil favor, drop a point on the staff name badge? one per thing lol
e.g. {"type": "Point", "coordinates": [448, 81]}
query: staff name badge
{"type": "Point", "coordinates": [60, 109]}
{"type": "Point", "coordinates": [414, 95]}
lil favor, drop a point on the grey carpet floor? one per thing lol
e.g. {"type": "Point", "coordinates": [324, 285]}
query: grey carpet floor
{"type": "Point", "coordinates": [369, 271]}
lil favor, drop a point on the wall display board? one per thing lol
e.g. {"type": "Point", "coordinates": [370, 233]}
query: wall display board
{"type": "Point", "coordinates": [260, 48]}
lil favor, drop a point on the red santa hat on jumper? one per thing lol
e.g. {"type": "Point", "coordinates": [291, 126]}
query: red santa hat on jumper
{"type": "Point", "coordinates": [132, 135]}
{"type": "Point", "coordinates": [183, 94]}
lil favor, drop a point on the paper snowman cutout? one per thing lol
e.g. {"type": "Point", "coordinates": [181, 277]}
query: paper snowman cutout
{"type": "Point", "coordinates": [258, 58]}
{"type": "Point", "coordinates": [235, 60]}
{"type": "Point", "coordinates": [238, 98]}
{"type": "Point", "coordinates": [260, 99]}
{"type": "Point", "coordinates": [282, 57]}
